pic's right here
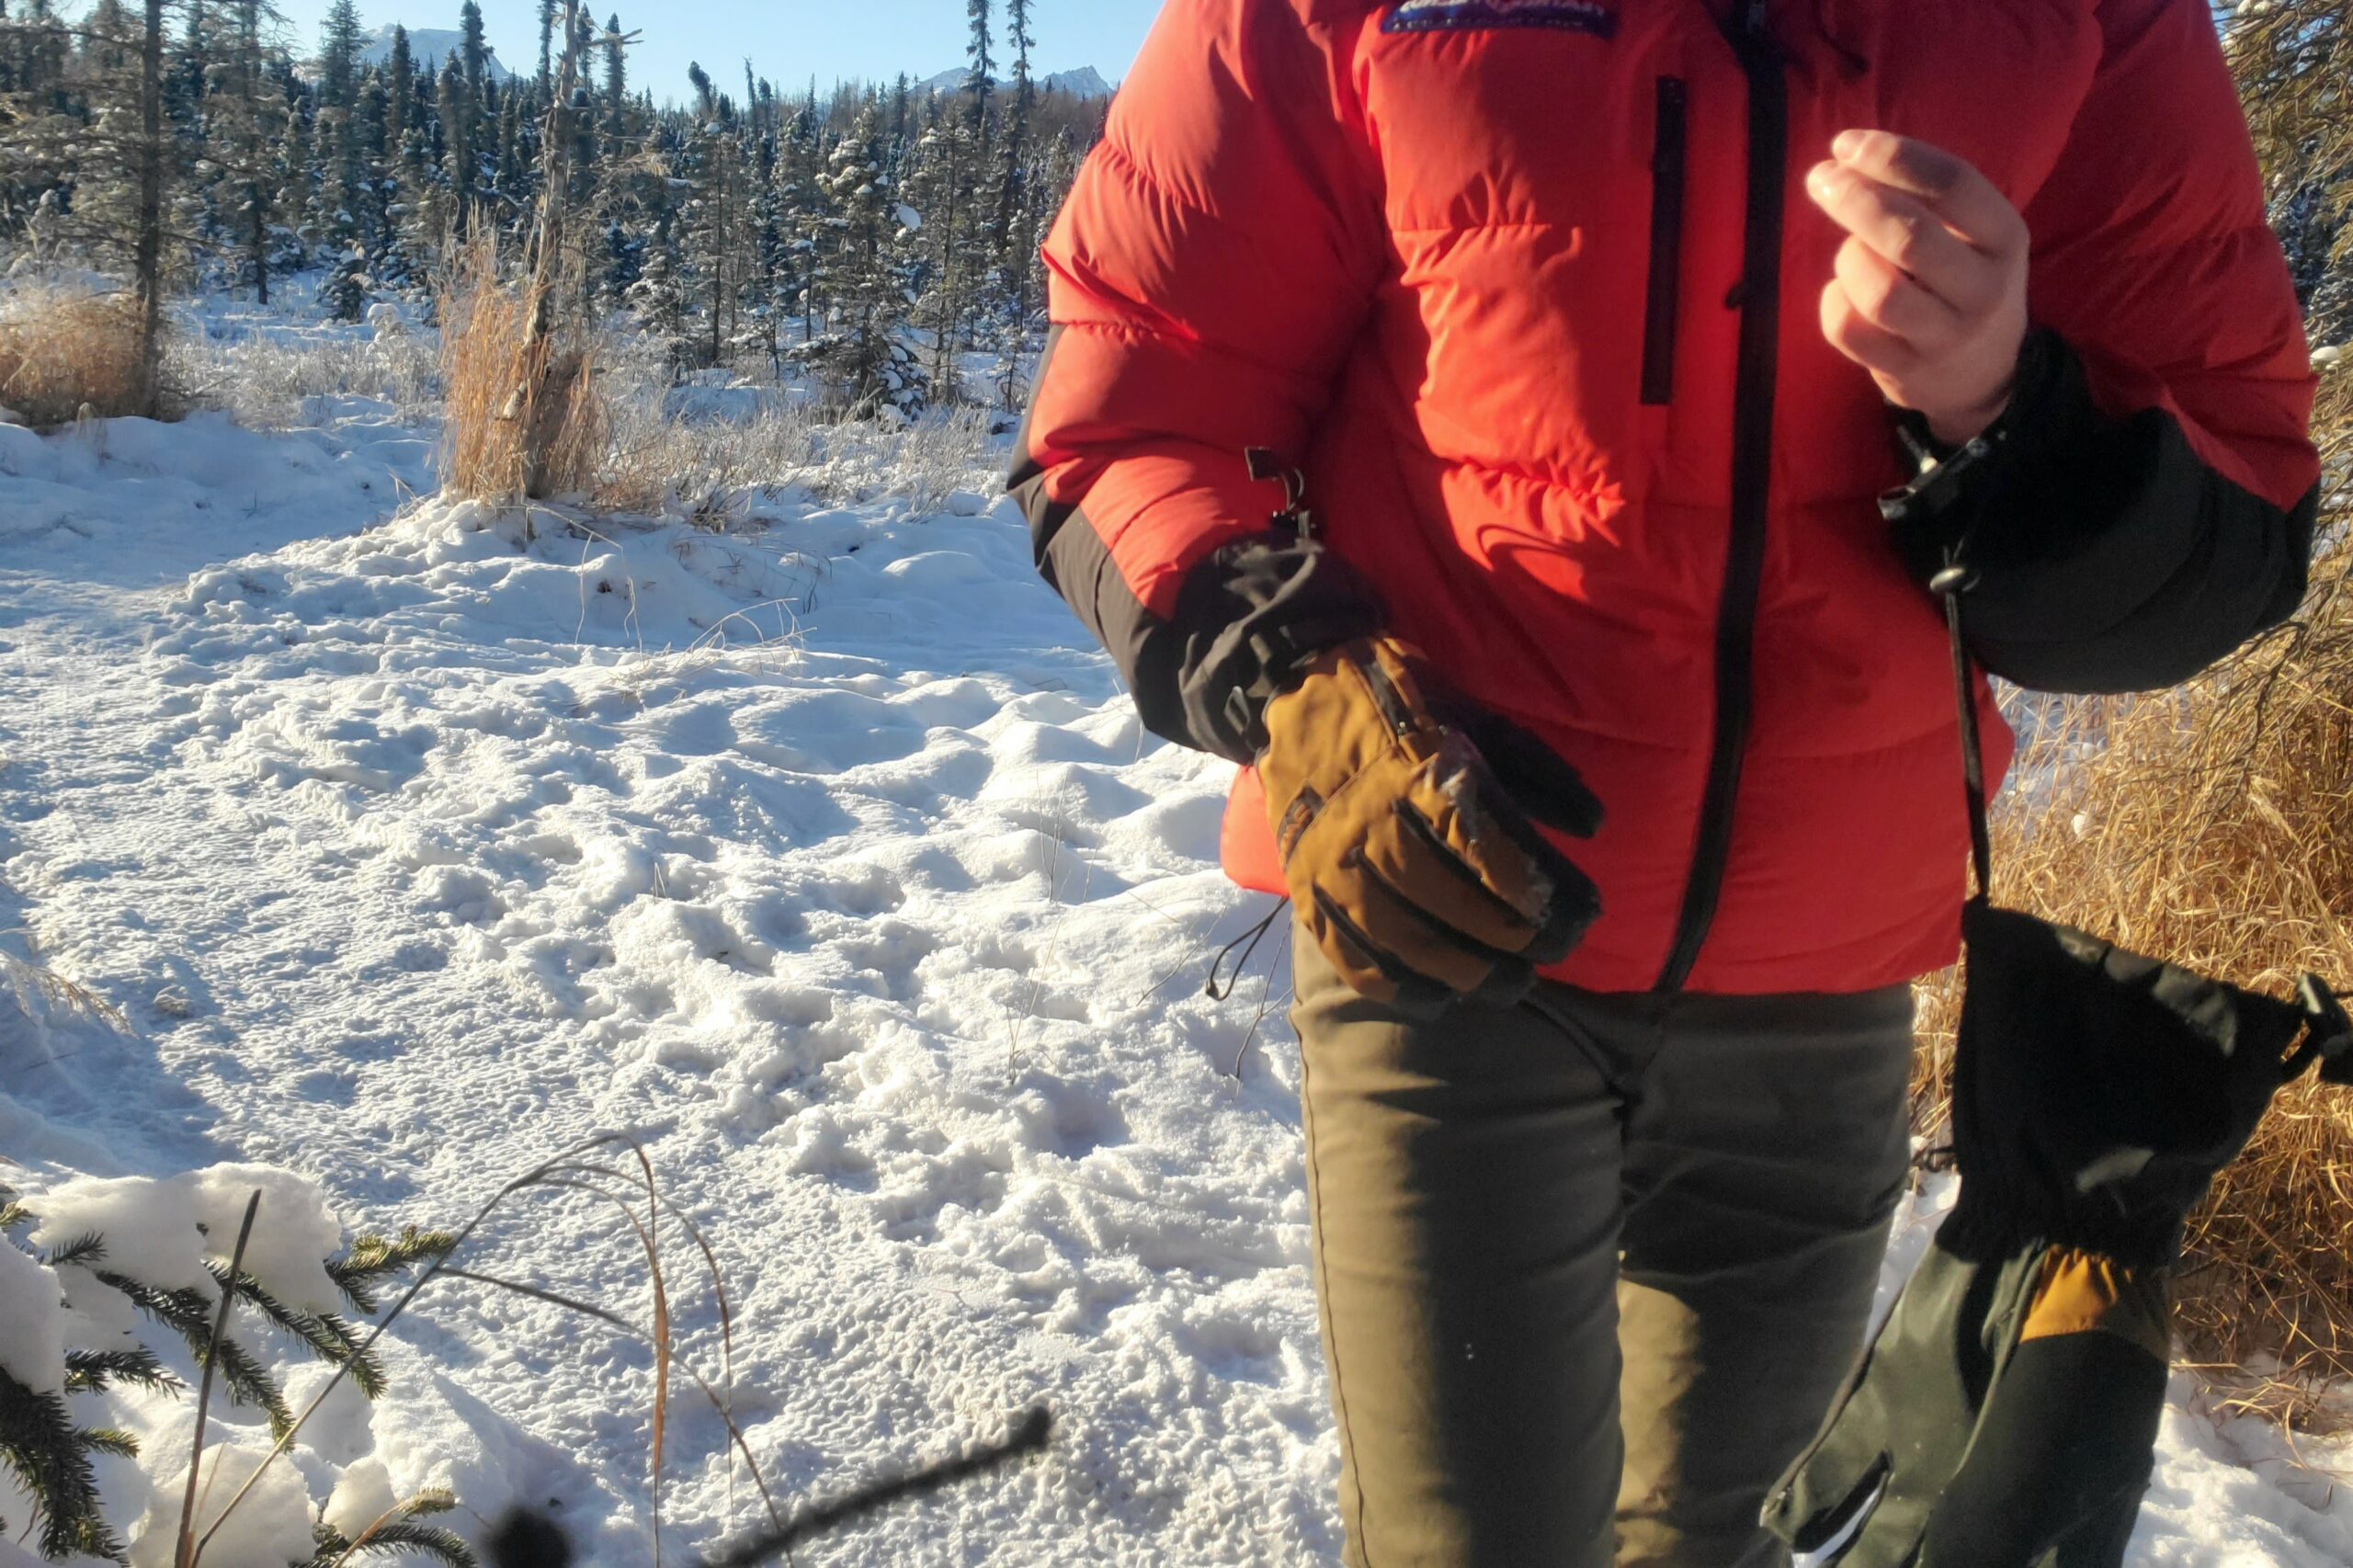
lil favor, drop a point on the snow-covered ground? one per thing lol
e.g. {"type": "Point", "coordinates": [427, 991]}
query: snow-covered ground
{"type": "Point", "coordinates": [414, 843]}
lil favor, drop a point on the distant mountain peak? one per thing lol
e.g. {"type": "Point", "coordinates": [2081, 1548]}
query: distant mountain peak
{"type": "Point", "coordinates": [430, 46]}
{"type": "Point", "coordinates": [1083, 82]}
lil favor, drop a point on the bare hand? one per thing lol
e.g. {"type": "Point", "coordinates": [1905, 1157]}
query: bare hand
{"type": "Point", "coordinates": [1930, 294]}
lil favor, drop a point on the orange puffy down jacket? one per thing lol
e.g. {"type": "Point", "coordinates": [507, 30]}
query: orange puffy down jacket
{"type": "Point", "coordinates": [1527, 291]}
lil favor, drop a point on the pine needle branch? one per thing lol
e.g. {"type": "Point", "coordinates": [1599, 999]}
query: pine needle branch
{"type": "Point", "coordinates": [188, 1313]}
{"type": "Point", "coordinates": [324, 1334]}
{"type": "Point", "coordinates": [83, 1251]}
{"type": "Point", "coordinates": [371, 1259]}
{"type": "Point", "coordinates": [395, 1532]}
{"type": "Point", "coordinates": [94, 1372]}
{"type": "Point", "coordinates": [51, 1460]}
{"type": "Point", "coordinates": [112, 1440]}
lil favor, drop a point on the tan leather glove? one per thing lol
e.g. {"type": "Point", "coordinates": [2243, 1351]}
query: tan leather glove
{"type": "Point", "coordinates": [1403, 820]}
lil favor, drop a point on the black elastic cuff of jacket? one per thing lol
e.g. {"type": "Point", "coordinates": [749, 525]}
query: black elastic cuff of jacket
{"type": "Point", "coordinates": [1959, 489]}
{"type": "Point", "coordinates": [1248, 619]}
{"type": "Point", "coordinates": [2105, 554]}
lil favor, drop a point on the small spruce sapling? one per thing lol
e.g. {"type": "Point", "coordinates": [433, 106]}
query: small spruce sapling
{"type": "Point", "coordinates": [49, 1454]}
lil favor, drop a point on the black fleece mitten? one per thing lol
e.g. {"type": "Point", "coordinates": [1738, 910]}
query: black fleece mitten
{"type": "Point", "coordinates": [2005, 1416]}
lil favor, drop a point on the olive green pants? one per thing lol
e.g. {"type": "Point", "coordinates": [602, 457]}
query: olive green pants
{"type": "Point", "coordinates": [1591, 1268]}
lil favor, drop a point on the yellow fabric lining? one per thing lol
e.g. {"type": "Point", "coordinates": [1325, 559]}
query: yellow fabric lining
{"type": "Point", "coordinates": [2083, 1292]}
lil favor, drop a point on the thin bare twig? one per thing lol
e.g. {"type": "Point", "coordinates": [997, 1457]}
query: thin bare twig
{"type": "Point", "coordinates": [190, 1551]}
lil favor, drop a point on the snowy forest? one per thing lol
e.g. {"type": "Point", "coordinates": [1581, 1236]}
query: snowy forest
{"type": "Point", "coordinates": [194, 145]}
{"type": "Point", "coordinates": [595, 970]}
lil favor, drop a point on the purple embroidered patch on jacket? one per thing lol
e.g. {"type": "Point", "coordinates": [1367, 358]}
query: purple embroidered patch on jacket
{"type": "Point", "coordinates": [1440, 16]}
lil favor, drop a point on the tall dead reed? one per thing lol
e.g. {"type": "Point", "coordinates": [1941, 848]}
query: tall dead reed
{"type": "Point", "coordinates": [63, 350]}
{"type": "Point", "coordinates": [2213, 826]}
{"type": "Point", "coordinates": [523, 419]}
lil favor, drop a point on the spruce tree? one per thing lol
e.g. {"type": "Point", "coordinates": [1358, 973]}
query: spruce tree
{"type": "Point", "coordinates": [292, 167]}
{"type": "Point", "coordinates": [615, 109]}
{"type": "Point", "coordinates": [400, 89]}
{"type": "Point", "coordinates": [344, 291]}
{"type": "Point", "coordinates": [243, 133]}
{"type": "Point", "coordinates": [1012, 227]}
{"type": "Point", "coordinates": [458, 157]}
{"type": "Point", "coordinates": [336, 193]}
{"type": "Point", "coordinates": [340, 43]}
{"type": "Point", "coordinates": [151, 160]}
{"type": "Point", "coordinates": [941, 172]}
{"type": "Point", "coordinates": [803, 207]}
{"type": "Point", "coordinates": [862, 353]}
{"type": "Point", "coordinates": [713, 211]}
{"type": "Point", "coordinates": [979, 77]}
{"type": "Point", "coordinates": [473, 51]}
{"type": "Point", "coordinates": [511, 177]}
{"type": "Point", "coordinates": [379, 182]}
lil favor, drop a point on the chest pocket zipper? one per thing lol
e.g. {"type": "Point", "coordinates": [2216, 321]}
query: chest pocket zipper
{"type": "Point", "coordinates": [1666, 244]}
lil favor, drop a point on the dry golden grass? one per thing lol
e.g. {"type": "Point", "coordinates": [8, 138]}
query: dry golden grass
{"type": "Point", "coordinates": [2213, 826]}
{"type": "Point", "coordinates": [63, 350]}
{"type": "Point", "coordinates": [664, 459]}
{"type": "Point", "coordinates": [522, 416]}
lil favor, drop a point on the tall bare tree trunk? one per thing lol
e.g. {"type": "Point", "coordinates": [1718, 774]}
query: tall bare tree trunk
{"type": "Point", "coordinates": [147, 259]}
{"type": "Point", "coordinates": [952, 302]}
{"type": "Point", "coordinates": [258, 237]}
{"type": "Point", "coordinates": [718, 241]}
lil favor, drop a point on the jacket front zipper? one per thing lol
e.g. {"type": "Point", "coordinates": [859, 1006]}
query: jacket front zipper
{"type": "Point", "coordinates": [1752, 469]}
{"type": "Point", "coordinates": [1667, 245]}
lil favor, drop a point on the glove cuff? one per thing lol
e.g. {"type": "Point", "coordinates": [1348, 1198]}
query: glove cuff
{"type": "Point", "coordinates": [1988, 1221]}
{"type": "Point", "coordinates": [1252, 617]}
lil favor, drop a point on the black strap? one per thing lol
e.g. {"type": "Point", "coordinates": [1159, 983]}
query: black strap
{"type": "Point", "coordinates": [1951, 583]}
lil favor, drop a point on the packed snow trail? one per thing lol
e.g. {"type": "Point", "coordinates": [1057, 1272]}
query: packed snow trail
{"type": "Point", "coordinates": [415, 841]}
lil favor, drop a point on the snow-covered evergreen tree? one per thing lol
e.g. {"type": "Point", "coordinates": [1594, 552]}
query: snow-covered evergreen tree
{"type": "Point", "coordinates": [344, 292]}
{"type": "Point", "coordinates": [864, 353]}
{"type": "Point", "coordinates": [336, 191]}
{"type": "Point", "coordinates": [55, 1265]}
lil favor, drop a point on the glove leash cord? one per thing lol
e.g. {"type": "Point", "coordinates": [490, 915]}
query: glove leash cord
{"type": "Point", "coordinates": [1951, 583]}
{"type": "Point", "coordinates": [1217, 990]}
{"type": "Point", "coordinates": [2328, 1038]}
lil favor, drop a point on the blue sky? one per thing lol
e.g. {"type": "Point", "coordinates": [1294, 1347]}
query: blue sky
{"type": "Point", "coordinates": [788, 40]}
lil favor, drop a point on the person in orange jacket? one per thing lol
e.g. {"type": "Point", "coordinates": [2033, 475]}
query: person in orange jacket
{"type": "Point", "coordinates": [1469, 416]}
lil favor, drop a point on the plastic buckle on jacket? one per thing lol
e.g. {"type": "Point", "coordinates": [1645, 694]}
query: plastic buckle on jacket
{"type": "Point", "coordinates": [1266, 465]}
{"type": "Point", "coordinates": [1941, 478]}
{"type": "Point", "coordinates": [1941, 473]}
